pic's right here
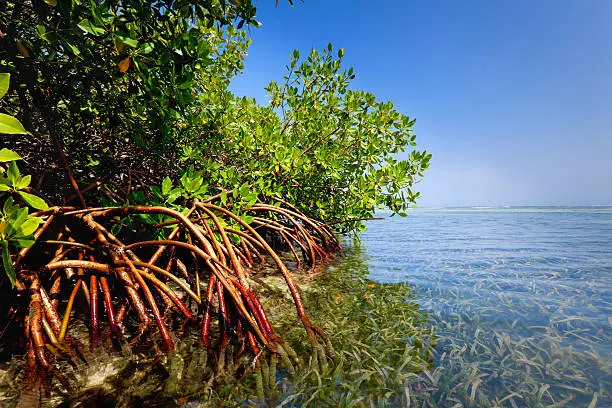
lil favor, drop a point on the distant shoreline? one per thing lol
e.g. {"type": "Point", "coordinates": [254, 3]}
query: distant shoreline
{"type": "Point", "coordinates": [525, 208]}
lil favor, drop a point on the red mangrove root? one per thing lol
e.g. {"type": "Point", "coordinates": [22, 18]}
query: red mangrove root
{"type": "Point", "coordinates": [198, 271]}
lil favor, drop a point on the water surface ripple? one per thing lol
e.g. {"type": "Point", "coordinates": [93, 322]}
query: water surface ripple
{"type": "Point", "coordinates": [521, 299]}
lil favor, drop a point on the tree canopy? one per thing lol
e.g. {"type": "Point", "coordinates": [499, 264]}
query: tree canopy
{"type": "Point", "coordinates": [113, 81]}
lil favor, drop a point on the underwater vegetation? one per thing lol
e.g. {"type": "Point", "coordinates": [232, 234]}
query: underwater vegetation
{"type": "Point", "coordinates": [378, 337]}
{"type": "Point", "coordinates": [520, 300]}
{"type": "Point", "coordinates": [480, 363]}
{"type": "Point", "coordinates": [386, 352]}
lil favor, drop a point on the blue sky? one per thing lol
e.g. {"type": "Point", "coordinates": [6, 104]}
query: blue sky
{"type": "Point", "coordinates": [512, 97]}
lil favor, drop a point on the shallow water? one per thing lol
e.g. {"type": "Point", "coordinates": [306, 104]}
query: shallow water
{"type": "Point", "coordinates": [521, 300]}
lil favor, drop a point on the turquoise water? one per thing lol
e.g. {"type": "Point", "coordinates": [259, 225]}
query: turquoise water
{"type": "Point", "coordinates": [520, 298]}
{"type": "Point", "coordinates": [520, 301]}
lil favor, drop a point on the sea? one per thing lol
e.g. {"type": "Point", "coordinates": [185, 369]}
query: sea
{"type": "Point", "coordinates": [517, 303]}
{"type": "Point", "coordinates": [520, 300]}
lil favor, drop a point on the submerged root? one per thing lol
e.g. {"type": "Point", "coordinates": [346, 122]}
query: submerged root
{"type": "Point", "coordinates": [83, 265]}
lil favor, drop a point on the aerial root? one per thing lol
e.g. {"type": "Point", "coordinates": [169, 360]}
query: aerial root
{"type": "Point", "coordinates": [197, 272]}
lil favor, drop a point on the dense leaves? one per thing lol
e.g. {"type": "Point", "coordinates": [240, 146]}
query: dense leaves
{"type": "Point", "coordinates": [16, 226]}
{"type": "Point", "coordinates": [106, 81]}
{"type": "Point", "coordinates": [332, 151]}
{"type": "Point", "coordinates": [112, 82]}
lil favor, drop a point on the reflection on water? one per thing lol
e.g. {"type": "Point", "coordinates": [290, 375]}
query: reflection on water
{"type": "Point", "coordinates": [521, 300]}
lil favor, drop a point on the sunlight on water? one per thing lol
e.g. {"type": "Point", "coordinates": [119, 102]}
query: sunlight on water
{"type": "Point", "coordinates": [520, 298]}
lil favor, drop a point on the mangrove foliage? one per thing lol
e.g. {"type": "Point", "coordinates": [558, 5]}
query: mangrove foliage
{"type": "Point", "coordinates": [153, 192]}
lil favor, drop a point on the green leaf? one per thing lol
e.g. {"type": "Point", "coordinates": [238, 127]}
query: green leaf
{"type": "Point", "coordinates": [185, 181]}
{"type": "Point", "coordinates": [146, 48]}
{"type": "Point", "coordinates": [17, 218]}
{"type": "Point", "coordinates": [42, 32]}
{"type": "Point", "coordinates": [4, 83]}
{"type": "Point", "coordinates": [126, 40]}
{"type": "Point", "coordinates": [13, 174]}
{"type": "Point", "coordinates": [247, 218]}
{"type": "Point", "coordinates": [8, 208]}
{"type": "Point", "coordinates": [202, 190]}
{"type": "Point", "coordinates": [176, 193]}
{"type": "Point", "coordinates": [4, 187]}
{"type": "Point", "coordinates": [244, 190]}
{"type": "Point", "coordinates": [34, 201]}
{"type": "Point", "coordinates": [8, 155]}
{"type": "Point", "coordinates": [23, 242]}
{"type": "Point", "coordinates": [195, 184]}
{"type": "Point", "coordinates": [28, 227]}
{"type": "Point", "coordinates": [166, 186]}
{"type": "Point", "coordinates": [23, 182]}
{"type": "Point", "coordinates": [72, 47]}
{"type": "Point", "coordinates": [90, 28]}
{"type": "Point", "coordinates": [95, 13]}
{"type": "Point", "coordinates": [8, 264]}
{"type": "Point", "coordinates": [51, 3]}
{"type": "Point", "coordinates": [11, 125]}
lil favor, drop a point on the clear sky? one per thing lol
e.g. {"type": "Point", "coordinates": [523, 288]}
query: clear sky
{"type": "Point", "coordinates": [512, 97]}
